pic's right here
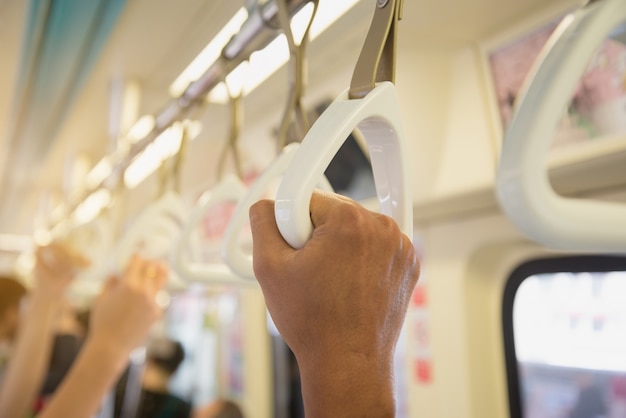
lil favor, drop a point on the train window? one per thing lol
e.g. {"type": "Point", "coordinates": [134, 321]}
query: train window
{"type": "Point", "coordinates": [564, 323]}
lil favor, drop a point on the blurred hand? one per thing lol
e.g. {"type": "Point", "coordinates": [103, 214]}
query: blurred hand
{"type": "Point", "coordinates": [340, 301]}
{"type": "Point", "coordinates": [126, 309]}
{"type": "Point", "coordinates": [56, 265]}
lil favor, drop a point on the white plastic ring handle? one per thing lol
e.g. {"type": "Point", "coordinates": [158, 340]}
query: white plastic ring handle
{"type": "Point", "coordinates": [159, 221]}
{"type": "Point", "coordinates": [96, 248]}
{"type": "Point", "coordinates": [378, 118]}
{"type": "Point", "coordinates": [523, 187]}
{"type": "Point", "coordinates": [233, 254]}
{"type": "Point", "coordinates": [230, 189]}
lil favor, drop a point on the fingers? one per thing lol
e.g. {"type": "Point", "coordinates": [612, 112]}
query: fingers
{"type": "Point", "coordinates": [147, 275]}
{"type": "Point", "coordinates": [325, 206]}
{"type": "Point", "coordinates": [67, 254]}
{"type": "Point", "coordinates": [56, 265]}
{"type": "Point", "coordinates": [269, 248]}
{"type": "Point", "coordinates": [133, 274]}
{"type": "Point", "coordinates": [110, 283]}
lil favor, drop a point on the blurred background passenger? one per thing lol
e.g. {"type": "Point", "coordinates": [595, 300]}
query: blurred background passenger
{"type": "Point", "coordinates": [11, 294]}
{"type": "Point", "coordinates": [68, 339]}
{"type": "Point", "coordinates": [163, 358]}
{"type": "Point", "coordinates": [221, 408]}
{"type": "Point", "coordinates": [590, 402]}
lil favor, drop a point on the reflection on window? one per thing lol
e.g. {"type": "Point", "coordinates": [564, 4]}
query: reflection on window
{"type": "Point", "coordinates": [570, 343]}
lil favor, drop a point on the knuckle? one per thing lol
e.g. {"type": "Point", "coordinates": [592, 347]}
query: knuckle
{"type": "Point", "coordinates": [351, 219]}
{"type": "Point", "coordinates": [264, 267]}
{"type": "Point", "coordinates": [411, 259]}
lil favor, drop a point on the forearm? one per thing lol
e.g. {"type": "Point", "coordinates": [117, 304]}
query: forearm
{"type": "Point", "coordinates": [347, 386]}
{"type": "Point", "coordinates": [31, 354]}
{"type": "Point", "coordinates": [94, 373]}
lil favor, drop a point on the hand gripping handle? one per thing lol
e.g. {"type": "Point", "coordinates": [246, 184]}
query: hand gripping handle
{"type": "Point", "coordinates": [523, 187]}
{"type": "Point", "coordinates": [377, 116]}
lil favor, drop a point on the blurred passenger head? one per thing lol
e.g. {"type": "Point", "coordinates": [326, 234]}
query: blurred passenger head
{"type": "Point", "coordinates": [165, 355]}
{"type": "Point", "coordinates": [11, 294]}
{"type": "Point", "coordinates": [220, 409]}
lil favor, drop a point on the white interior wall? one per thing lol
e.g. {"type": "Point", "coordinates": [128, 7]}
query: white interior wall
{"type": "Point", "coordinates": [468, 367]}
{"type": "Point", "coordinates": [469, 159]}
{"type": "Point", "coordinates": [423, 81]}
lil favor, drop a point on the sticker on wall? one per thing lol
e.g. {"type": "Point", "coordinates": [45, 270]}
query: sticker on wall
{"type": "Point", "coordinates": [419, 326]}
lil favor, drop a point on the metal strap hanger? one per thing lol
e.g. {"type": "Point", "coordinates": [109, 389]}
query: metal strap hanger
{"type": "Point", "coordinates": [371, 105]}
{"type": "Point", "coordinates": [236, 121]}
{"type": "Point", "coordinates": [297, 76]}
{"type": "Point", "coordinates": [377, 62]}
{"type": "Point", "coordinates": [523, 187]}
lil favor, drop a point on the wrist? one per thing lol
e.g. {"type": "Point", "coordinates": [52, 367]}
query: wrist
{"type": "Point", "coordinates": [112, 355]}
{"type": "Point", "coordinates": [348, 385]}
{"type": "Point", "coordinates": [44, 297]}
{"type": "Point", "coordinates": [42, 305]}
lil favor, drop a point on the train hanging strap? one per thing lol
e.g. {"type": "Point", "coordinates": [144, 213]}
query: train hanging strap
{"type": "Point", "coordinates": [371, 105]}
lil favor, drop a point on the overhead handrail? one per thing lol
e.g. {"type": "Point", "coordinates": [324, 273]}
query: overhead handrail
{"type": "Point", "coordinates": [256, 33]}
{"type": "Point", "coordinates": [294, 111]}
{"type": "Point", "coordinates": [230, 189]}
{"type": "Point", "coordinates": [371, 105]}
{"type": "Point", "coordinates": [233, 254]}
{"type": "Point", "coordinates": [523, 187]}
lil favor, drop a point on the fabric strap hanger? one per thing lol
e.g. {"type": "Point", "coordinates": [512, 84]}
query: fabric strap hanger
{"type": "Point", "coordinates": [523, 187]}
{"type": "Point", "coordinates": [371, 105]}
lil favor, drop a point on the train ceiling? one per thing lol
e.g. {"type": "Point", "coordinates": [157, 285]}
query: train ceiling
{"type": "Point", "coordinates": [59, 58]}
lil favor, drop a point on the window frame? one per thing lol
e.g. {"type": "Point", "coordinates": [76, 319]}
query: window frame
{"type": "Point", "coordinates": [566, 264]}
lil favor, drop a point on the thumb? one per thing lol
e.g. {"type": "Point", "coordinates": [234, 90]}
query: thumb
{"type": "Point", "coordinates": [269, 249]}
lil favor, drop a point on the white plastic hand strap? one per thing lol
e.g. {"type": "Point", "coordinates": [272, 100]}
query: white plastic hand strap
{"type": "Point", "coordinates": [234, 255]}
{"type": "Point", "coordinates": [523, 187]}
{"type": "Point", "coordinates": [151, 234]}
{"type": "Point", "coordinates": [153, 231]}
{"type": "Point", "coordinates": [377, 116]}
{"type": "Point", "coordinates": [94, 240]}
{"type": "Point", "coordinates": [88, 282]}
{"type": "Point", "coordinates": [230, 189]}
